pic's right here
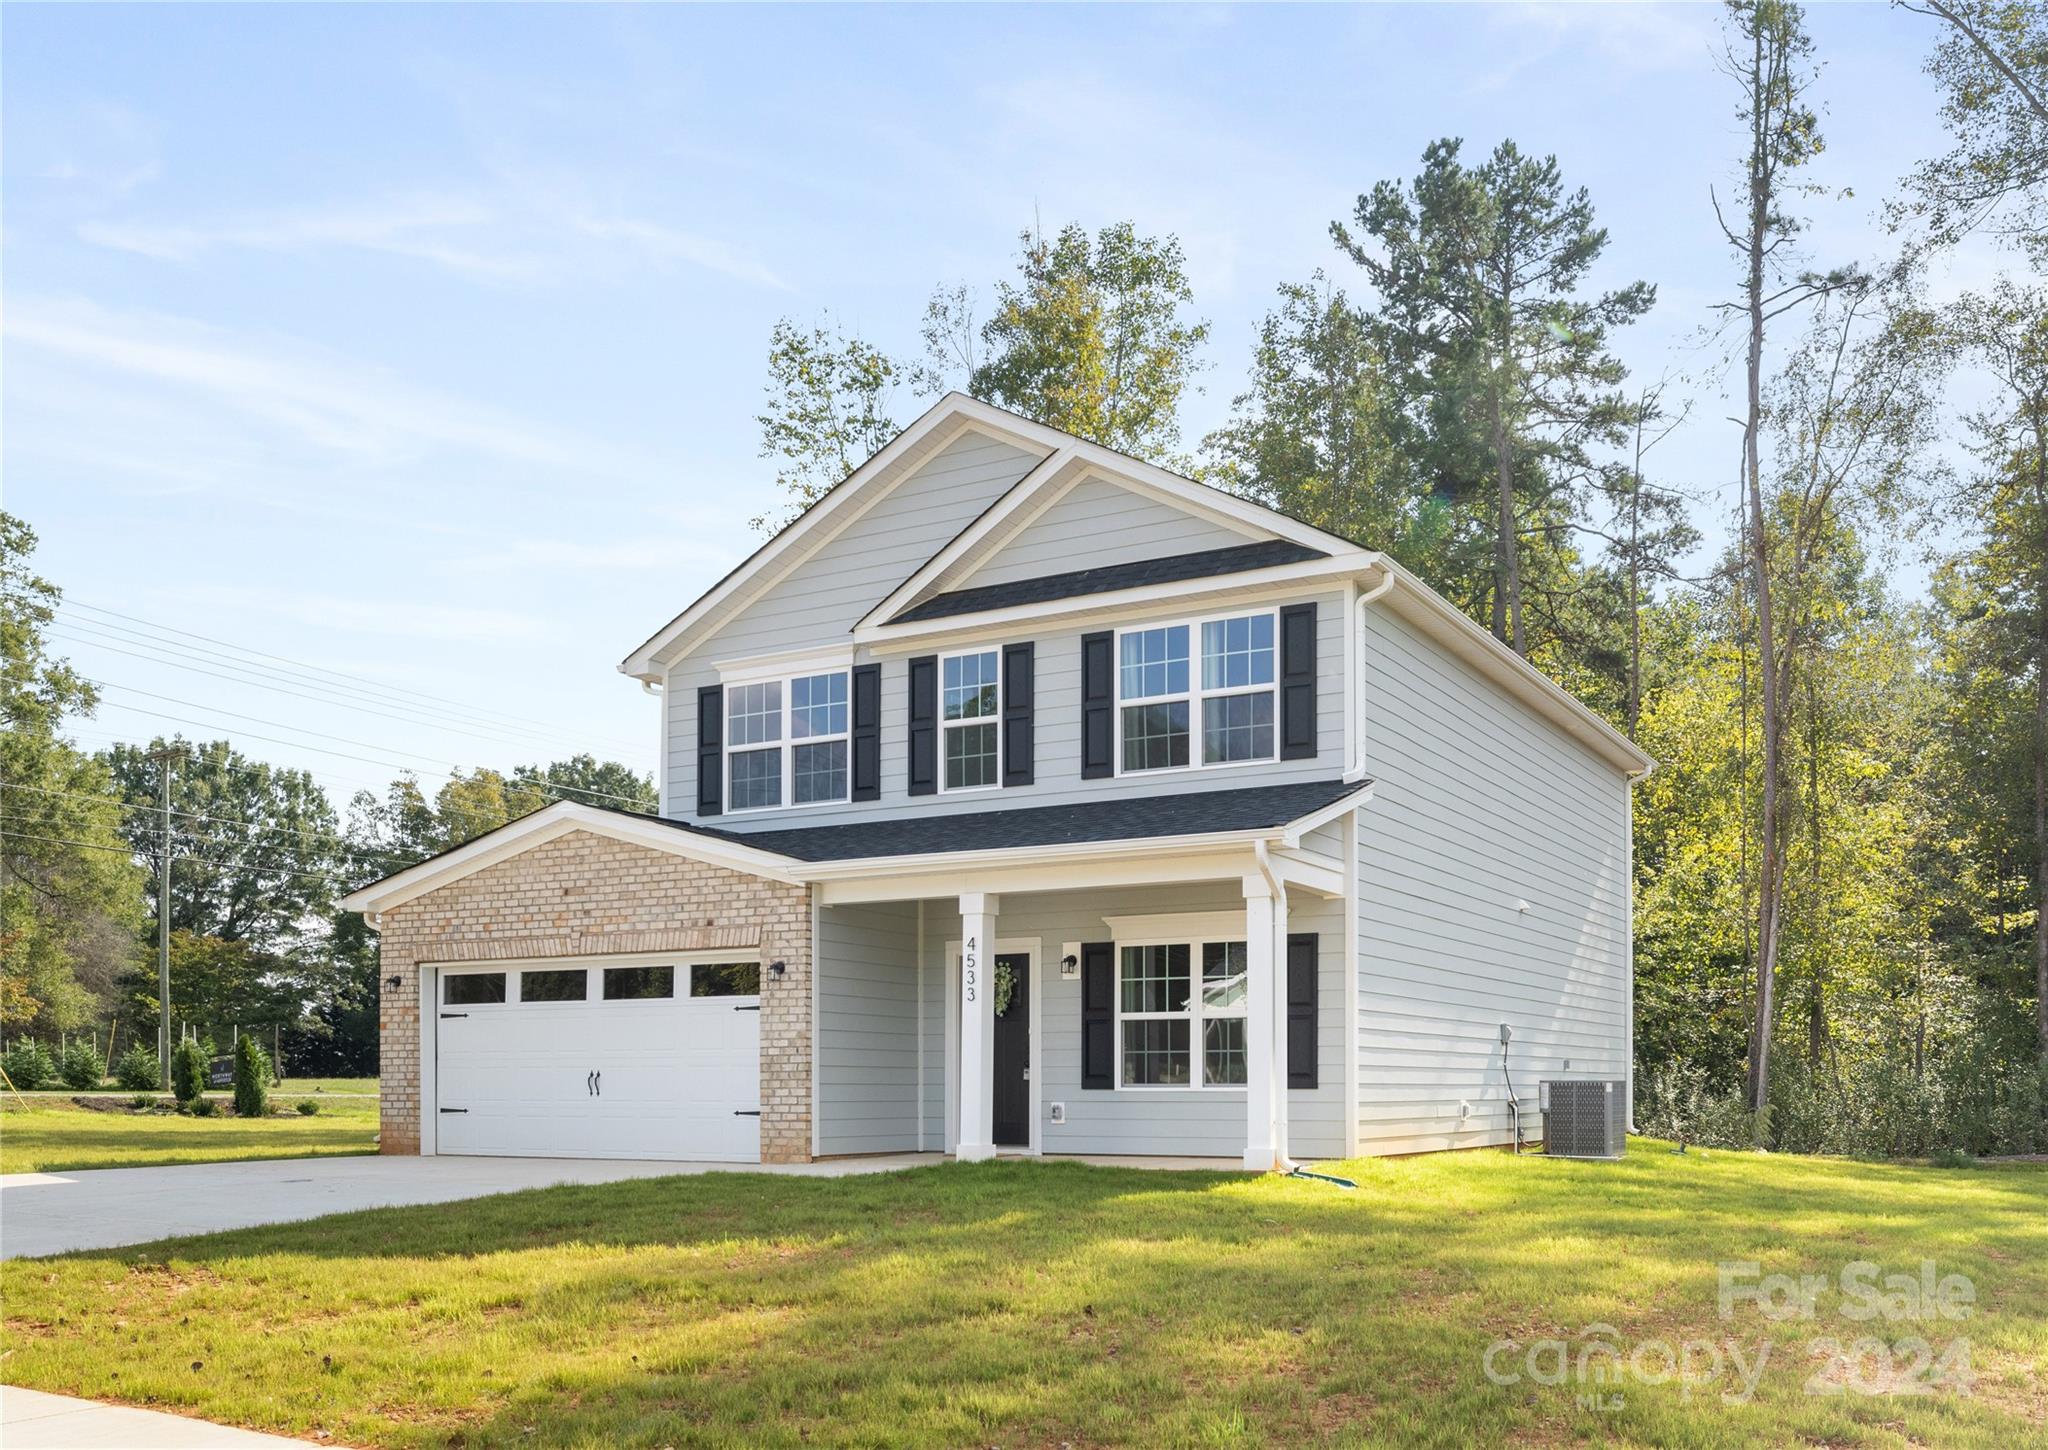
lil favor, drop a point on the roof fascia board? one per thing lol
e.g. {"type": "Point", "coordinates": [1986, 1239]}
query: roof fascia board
{"type": "Point", "coordinates": [1297, 829]}
{"type": "Point", "coordinates": [938, 427]}
{"type": "Point", "coordinates": [1131, 869]}
{"type": "Point", "coordinates": [1275, 577]}
{"type": "Point", "coordinates": [551, 823]}
{"type": "Point", "coordinates": [1156, 847]}
{"type": "Point", "coordinates": [1122, 467]}
{"type": "Point", "coordinates": [1044, 482]}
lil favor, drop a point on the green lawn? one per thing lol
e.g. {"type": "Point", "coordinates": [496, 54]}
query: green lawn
{"type": "Point", "coordinates": [1044, 1303]}
{"type": "Point", "coordinates": [51, 1134]}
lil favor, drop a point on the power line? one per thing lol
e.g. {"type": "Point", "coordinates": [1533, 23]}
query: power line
{"type": "Point", "coordinates": [461, 706]}
{"type": "Point", "coordinates": [126, 851]}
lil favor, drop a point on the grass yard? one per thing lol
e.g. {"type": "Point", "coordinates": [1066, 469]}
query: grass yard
{"type": "Point", "coordinates": [1019, 1303]}
{"type": "Point", "coordinates": [52, 1134]}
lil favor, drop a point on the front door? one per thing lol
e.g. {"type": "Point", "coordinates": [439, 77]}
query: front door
{"type": "Point", "coordinates": [1013, 1052]}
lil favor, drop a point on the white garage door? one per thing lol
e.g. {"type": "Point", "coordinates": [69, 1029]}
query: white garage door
{"type": "Point", "coordinates": [618, 1061]}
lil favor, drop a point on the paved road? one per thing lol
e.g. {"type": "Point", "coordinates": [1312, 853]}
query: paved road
{"type": "Point", "coordinates": [32, 1420]}
{"type": "Point", "coordinates": [54, 1213]}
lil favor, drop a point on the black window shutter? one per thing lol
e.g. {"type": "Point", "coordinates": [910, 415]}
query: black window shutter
{"type": "Point", "coordinates": [1098, 1014]}
{"type": "Point", "coordinates": [710, 754]}
{"type": "Point", "coordinates": [1303, 951]}
{"type": "Point", "coordinates": [1019, 746]}
{"type": "Point", "coordinates": [867, 732]}
{"type": "Point", "coordinates": [1298, 682]}
{"type": "Point", "coordinates": [1098, 705]}
{"type": "Point", "coordinates": [924, 725]}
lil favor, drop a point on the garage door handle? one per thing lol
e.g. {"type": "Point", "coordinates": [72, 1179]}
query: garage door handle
{"type": "Point", "coordinates": [455, 1110]}
{"type": "Point", "coordinates": [446, 1015]}
{"type": "Point", "coordinates": [590, 1084]}
{"type": "Point", "coordinates": [746, 1112]}
{"type": "Point", "coordinates": [754, 1008]}
{"type": "Point", "coordinates": [600, 1082]}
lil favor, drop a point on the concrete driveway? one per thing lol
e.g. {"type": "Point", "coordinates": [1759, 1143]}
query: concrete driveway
{"type": "Point", "coordinates": [54, 1213]}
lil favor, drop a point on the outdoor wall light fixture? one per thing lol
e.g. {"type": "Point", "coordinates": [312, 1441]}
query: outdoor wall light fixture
{"type": "Point", "coordinates": [393, 981]}
{"type": "Point", "coordinates": [1070, 961]}
{"type": "Point", "coordinates": [778, 968]}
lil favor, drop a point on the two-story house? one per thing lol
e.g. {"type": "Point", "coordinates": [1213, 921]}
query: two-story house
{"type": "Point", "coordinates": [1021, 796]}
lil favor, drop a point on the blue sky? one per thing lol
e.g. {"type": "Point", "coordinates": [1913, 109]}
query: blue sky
{"type": "Point", "coordinates": [426, 343]}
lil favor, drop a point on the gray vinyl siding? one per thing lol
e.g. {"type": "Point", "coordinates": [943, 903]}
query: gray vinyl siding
{"type": "Point", "coordinates": [1204, 1122]}
{"type": "Point", "coordinates": [817, 605]}
{"type": "Point", "coordinates": [1057, 754]}
{"type": "Point", "coordinates": [866, 1057]}
{"type": "Point", "coordinates": [1097, 523]}
{"type": "Point", "coordinates": [1480, 805]}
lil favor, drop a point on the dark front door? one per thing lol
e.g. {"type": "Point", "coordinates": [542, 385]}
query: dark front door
{"type": "Point", "coordinates": [1013, 1053]}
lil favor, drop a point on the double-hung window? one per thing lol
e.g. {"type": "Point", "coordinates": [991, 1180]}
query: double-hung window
{"type": "Point", "coordinates": [969, 699]}
{"type": "Point", "coordinates": [1227, 690]}
{"type": "Point", "coordinates": [1177, 1030]}
{"type": "Point", "coordinates": [786, 741]}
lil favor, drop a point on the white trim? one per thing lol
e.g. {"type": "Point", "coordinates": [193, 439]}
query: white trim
{"type": "Point", "coordinates": [429, 988]}
{"type": "Point", "coordinates": [1292, 833]}
{"type": "Point", "coordinates": [661, 742]}
{"type": "Point", "coordinates": [550, 823]}
{"type": "Point", "coordinates": [1352, 1053]}
{"type": "Point", "coordinates": [994, 721]}
{"type": "Point", "coordinates": [1196, 695]}
{"type": "Point", "coordinates": [1250, 586]}
{"type": "Point", "coordinates": [1044, 479]}
{"type": "Point", "coordinates": [811, 530]}
{"type": "Point", "coordinates": [787, 664]}
{"type": "Point", "coordinates": [1182, 926]}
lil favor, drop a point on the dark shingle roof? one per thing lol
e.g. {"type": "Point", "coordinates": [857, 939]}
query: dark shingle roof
{"type": "Point", "coordinates": [1124, 818]}
{"type": "Point", "coordinates": [1234, 560]}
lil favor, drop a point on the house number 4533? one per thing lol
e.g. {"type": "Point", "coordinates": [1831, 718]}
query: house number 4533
{"type": "Point", "coordinates": [970, 968]}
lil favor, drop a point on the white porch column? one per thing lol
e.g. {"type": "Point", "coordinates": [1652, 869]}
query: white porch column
{"type": "Point", "coordinates": [1279, 990]}
{"type": "Point", "coordinates": [977, 1026]}
{"type": "Point", "coordinates": [1260, 1151]}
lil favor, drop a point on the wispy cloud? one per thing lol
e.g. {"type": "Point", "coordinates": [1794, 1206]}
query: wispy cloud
{"type": "Point", "coordinates": [674, 243]}
{"type": "Point", "coordinates": [413, 619]}
{"type": "Point", "coordinates": [335, 405]}
{"type": "Point", "coordinates": [417, 227]}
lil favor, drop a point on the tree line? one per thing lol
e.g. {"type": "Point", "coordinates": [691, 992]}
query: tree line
{"type": "Point", "coordinates": [1841, 866]}
{"type": "Point", "coordinates": [260, 858]}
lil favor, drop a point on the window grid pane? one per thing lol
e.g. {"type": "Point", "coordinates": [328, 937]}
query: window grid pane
{"type": "Point", "coordinates": [754, 714]}
{"type": "Point", "coordinates": [818, 772]}
{"type": "Point", "coordinates": [725, 979]}
{"type": "Point", "coordinates": [756, 779]}
{"type": "Point", "coordinates": [1237, 653]}
{"type": "Point", "coordinates": [1156, 736]}
{"type": "Point", "coordinates": [468, 989]}
{"type": "Point", "coordinates": [1223, 1051]}
{"type": "Point", "coordinates": [1224, 964]}
{"type": "Point", "coordinates": [1237, 727]}
{"type": "Point", "coordinates": [970, 686]}
{"type": "Point", "coordinates": [1155, 662]}
{"type": "Point", "coordinates": [970, 756]}
{"type": "Point", "coordinates": [638, 984]}
{"type": "Point", "coordinates": [817, 706]}
{"type": "Point", "coordinates": [1155, 979]}
{"type": "Point", "coordinates": [554, 986]}
{"type": "Point", "coordinates": [1156, 1052]}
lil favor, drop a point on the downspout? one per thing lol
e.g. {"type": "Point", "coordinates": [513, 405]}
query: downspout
{"type": "Point", "coordinates": [1277, 952]}
{"type": "Point", "coordinates": [659, 692]}
{"type": "Point", "coordinates": [1356, 770]}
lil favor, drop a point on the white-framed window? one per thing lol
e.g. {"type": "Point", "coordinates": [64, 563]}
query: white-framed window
{"type": "Point", "coordinates": [1198, 693]}
{"type": "Point", "coordinates": [786, 741]}
{"type": "Point", "coordinates": [1181, 1013]}
{"type": "Point", "coordinates": [970, 707]}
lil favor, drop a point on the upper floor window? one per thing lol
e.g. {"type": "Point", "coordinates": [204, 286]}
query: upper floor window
{"type": "Point", "coordinates": [792, 731]}
{"type": "Point", "coordinates": [1232, 695]}
{"type": "Point", "coordinates": [969, 700]}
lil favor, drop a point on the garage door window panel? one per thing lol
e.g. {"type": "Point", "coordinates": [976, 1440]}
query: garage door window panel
{"type": "Point", "coordinates": [725, 979]}
{"type": "Point", "coordinates": [472, 989]}
{"type": "Point", "coordinates": [554, 986]}
{"type": "Point", "coordinates": [639, 984]}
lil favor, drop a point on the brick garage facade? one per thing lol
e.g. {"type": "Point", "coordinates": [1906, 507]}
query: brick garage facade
{"type": "Point", "coordinates": [583, 895]}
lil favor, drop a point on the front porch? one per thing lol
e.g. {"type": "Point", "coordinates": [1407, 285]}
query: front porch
{"type": "Point", "coordinates": [1177, 1009]}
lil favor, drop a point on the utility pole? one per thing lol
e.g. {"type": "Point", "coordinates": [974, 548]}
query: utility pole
{"type": "Point", "coordinates": [164, 757]}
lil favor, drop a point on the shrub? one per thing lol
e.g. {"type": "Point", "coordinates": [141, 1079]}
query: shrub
{"type": "Point", "coordinates": [142, 1100]}
{"type": "Point", "coordinates": [80, 1067]}
{"type": "Point", "coordinates": [203, 1107]}
{"type": "Point", "coordinates": [28, 1065]}
{"type": "Point", "coordinates": [188, 1073]}
{"type": "Point", "coordinates": [307, 1107]}
{"type": "Point", "coordinates": [136, 1069]}
{"type": "Point", "coordinates": [252, 1077]}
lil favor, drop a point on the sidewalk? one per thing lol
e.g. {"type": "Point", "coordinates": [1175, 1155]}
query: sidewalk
{"type": "Point", "coordinates": [32, 1420]}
